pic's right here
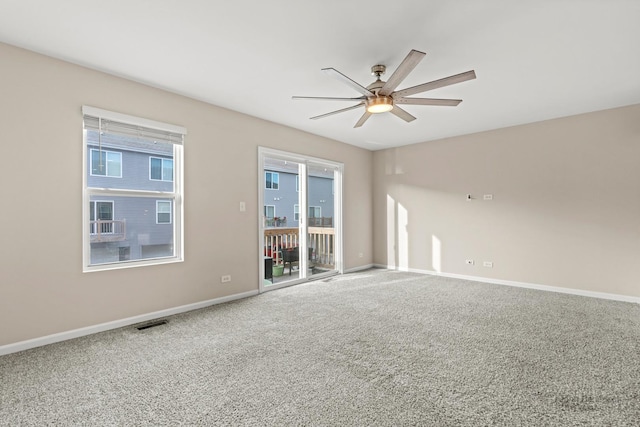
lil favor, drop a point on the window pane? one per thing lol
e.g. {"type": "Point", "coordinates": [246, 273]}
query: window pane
{"type": "Point", "coordinates": [105, 210]}
{"type": "Point", "coordinates": [98, 167]}
{"type": "Point", "coordinates": [129, 222]}
{"type": "Point", "coordinates": [133, 160]}
{"type": "Point", "coordinates": [156, 168]}
{"type": "Point", "coordinates": [114, 164]}
{"type": "Point", "coordinates": [163, 212]}
{"type": "Point", "coordinates": [268, 179]}
{"type": "Point", "coordinates": [167, 170]}
{"type": "Point", "coordinates": [276, 180]}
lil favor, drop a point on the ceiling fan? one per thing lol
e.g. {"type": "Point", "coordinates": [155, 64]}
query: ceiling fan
{"type": "Point", "coordinates": [381, 96]}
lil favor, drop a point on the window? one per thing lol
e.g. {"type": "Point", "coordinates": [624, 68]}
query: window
{"type": "Point", "coordinates": [269, 216]}
{"type": "Point", "coordinates": [296, 212]}
{"type": "Point", "coordinates": [315, 212]}
{"type": "Point", "coordinates": [298, 183]}
{"type": "Point", "coordinates": [160, 169]}
{"type": "Point", "coordinates": [101, 217]}
{"type": "Point", "coordinates": [163, 212]}
{"type": "Point", "coordinates": [106, 163]}
{"type": "Point", "coordinates": [272, 180]}
{"type": "Point", "coordinates": [269, 211]}
{"type": "Point", "coordinates": [120, 226]}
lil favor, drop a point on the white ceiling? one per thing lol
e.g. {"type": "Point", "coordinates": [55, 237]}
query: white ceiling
{"type": "Point", "coordinates": [534, 59]}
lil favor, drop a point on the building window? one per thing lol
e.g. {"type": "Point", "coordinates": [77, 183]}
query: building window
{"type": "Point", "coordinates": [296, 212]}
{"type": "Point", "coordinates": [315, 212]}
{"type": "Point", "coordinates": [269, 216]}
{"type": "Point", "coordinates": [136, 220]}
{"type": "Point", "coordinates": [160, 169]}
{"type": "Point", "coordinates": [269, 211]}
{"type": "Point", "coordinates": [298, 183]}
{"type": "Point", "coordinates": [163, 212]}
{"type": "Point", "coordinates": [272, 180]}
{"type": "Point", "coordinates": [101, 217]}
{"type": "Point", "coordinates": [106, 163]}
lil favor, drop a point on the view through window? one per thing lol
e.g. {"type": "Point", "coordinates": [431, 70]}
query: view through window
{"type": "Point", "coordinates": [133, 191]}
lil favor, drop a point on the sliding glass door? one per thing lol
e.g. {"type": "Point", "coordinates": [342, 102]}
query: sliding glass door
{"type": "Point", "coordinates": [321, 215]}
{"type": "Point", "coordinates": [300, 218]}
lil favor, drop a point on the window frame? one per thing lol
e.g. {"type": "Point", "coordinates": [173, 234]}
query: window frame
{"type": "Point", "coordinates": [296, 212]}
{"type": "Point", "coordinates": [158, 202]}
{"type": "Point", "coordinates": [175, 135]}
{"type": "Point", "coordinates": [162, 160]}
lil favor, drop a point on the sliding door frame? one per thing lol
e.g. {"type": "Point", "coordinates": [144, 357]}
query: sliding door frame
{"type": "Point", "coordinates": [302, 160]}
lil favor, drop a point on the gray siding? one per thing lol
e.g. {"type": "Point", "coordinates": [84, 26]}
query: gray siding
{"type": "Point", "coordinates": [141, 229]}
{"type": "Point", "coordinates": [284, 199]}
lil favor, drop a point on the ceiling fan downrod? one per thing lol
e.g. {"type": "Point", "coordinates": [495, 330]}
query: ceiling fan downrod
{"type": "Point", "coordinates": [379, 103]}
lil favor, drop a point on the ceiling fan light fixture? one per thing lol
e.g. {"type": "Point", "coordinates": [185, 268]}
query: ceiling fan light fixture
{"type": "Point", "coordinates": [379, 104]}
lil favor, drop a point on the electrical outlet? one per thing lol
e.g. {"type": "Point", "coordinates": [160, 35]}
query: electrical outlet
{"type": "Point", "coordinates": [488, 264]}
{"type": "Point", "coordinates": [225, 279]}
{"type": "Point", "coordinates": [360, 255]}
{"type": "Point", "coordinates": [470, 262]}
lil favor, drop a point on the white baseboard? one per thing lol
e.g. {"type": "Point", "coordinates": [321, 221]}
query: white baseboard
{"type": "Point", "coordinates": [75, 333]}
{"type": "Point", "coordinates": [360, 268]}
{"type": "Point", "coordinates": [592, 294]}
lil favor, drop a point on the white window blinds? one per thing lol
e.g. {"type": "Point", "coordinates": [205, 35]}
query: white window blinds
{"type": "Point", "coordinates": [122, 124]}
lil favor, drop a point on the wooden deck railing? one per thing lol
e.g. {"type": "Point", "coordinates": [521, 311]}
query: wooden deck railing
{"type": "Point", "coordinates": [321, 242]}
{"type": "Point", "coordinates": [107, 231]}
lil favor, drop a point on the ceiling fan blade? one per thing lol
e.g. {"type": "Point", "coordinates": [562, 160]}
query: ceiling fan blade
{"type": "Point", "coordinates": [363, 119]}
{"type": "Point", "coordinates": [403, 70]}
{"type": "Point", "coordinates": [353, 107]}
{"type": "Point", "coordinates": [402, 114]}
{"type": "Point", "coordinates": [329, 98]}
{"type": "Point", "coordinates": [338, 75]}
{"type": "Point", "coordinates": [428, 101]}
{"type": "Point", "coordinates": [451, 80]}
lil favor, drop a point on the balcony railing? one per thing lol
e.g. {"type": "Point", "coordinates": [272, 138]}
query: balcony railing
{"type": "Point", "coordinates": [320, 222]}
{"type": "Point", "coordinates": [321, 243]}
{"type": "Point", "coordinates": [107, 231]}
{"type": "Point", "coordinates": [326, 221]}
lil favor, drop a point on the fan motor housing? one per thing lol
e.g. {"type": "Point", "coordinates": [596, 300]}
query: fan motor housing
{"type": "Point", "coordinates": [379, 104]}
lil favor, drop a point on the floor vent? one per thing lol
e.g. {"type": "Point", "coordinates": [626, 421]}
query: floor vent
{"type": "Point", "coordinates": [151, 324]}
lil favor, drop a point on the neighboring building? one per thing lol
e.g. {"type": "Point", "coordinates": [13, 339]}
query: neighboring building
{"type": "Point", "coordinates": [124, 228]}
{"type": "Point", "coordinates": [281, 197]}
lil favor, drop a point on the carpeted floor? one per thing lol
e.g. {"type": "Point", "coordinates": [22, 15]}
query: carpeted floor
{"type": "Point", "coordinates": [365, 349]}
